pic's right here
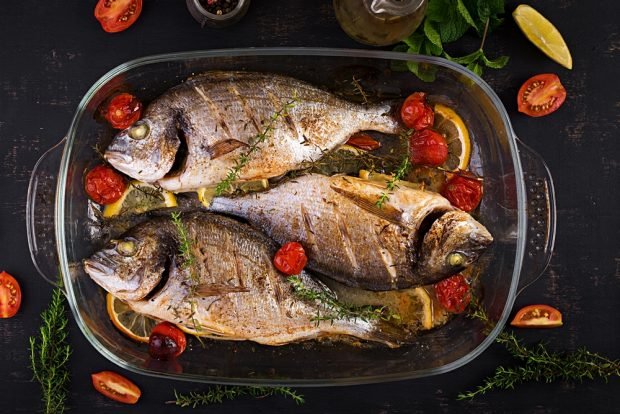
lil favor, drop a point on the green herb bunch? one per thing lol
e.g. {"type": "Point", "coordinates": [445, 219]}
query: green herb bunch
{"type": "Point", "coordinates": [447, 21]}
{"type": "Point", "coordinates": [217, 394]}
{"type": "Point", "coordinates": [400, 173]}
{"type": "Point", "coordinates": [49, 355]}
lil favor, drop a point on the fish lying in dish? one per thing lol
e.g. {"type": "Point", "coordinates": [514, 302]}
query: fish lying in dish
{"type": "Point", "coordinates": [230, 290]}
{"type": "Point", "coordinates": [415, 238]}
{"type": "Point", "coordinates": [192, 135]}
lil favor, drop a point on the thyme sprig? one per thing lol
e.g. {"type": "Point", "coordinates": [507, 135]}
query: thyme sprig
{"type": "Point", "coordinates": [233, 173]}
{"type": "Point", "coordinates": [217, 394]}
{"type": "Point", "coordinates": [49, 355]}
{"type": "Point", "coordinates": [539, 364]}
{"type": "Point", "coordinates": [334, 309]}
{"type": "Point", "coordinates": [400, 173]}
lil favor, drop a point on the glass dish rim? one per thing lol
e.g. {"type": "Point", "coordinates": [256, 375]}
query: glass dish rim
{"type": "Point", "coordinates": [287, 51]}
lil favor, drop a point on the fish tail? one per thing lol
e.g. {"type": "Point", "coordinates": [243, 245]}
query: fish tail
{"type": "Point", "coordinates": [383, 118]}
{"type": "Point", "coordinates": [391, 335]}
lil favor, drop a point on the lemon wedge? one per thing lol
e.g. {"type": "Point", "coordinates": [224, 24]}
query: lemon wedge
{"type": "Point", "coordinates": [543, 34]}
{"type": "Point", "coordinates": [449, 124]}
{"type": "Point", "coordinates": [138, 198]}
{"type": "Point", "coordinates": [134, 325]}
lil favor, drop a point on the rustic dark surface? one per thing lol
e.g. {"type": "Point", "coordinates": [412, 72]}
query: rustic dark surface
{"type": "Point", "coordinates": [52, 51]}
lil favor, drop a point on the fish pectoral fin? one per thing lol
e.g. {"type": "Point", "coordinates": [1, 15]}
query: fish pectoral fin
{"type": "Point", "coordinates": [366, 200]}
{"type": "Point", "coordinates": [224, 147]}
{"type": "Point", "coordinates": [216, 289]}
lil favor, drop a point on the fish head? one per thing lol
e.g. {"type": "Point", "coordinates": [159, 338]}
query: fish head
{"type": "Point", "coordinates": [453, 242]}
{"type": "Point", "coordinates": [130, 267]}
{"type": "Point", "coordinates": [146, 150]}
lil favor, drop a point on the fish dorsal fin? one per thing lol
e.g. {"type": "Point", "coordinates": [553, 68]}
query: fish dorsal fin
{"type": "Point", "coordinates": [224, 147]}
{"type": "Point", "coordinates": [365, 195]}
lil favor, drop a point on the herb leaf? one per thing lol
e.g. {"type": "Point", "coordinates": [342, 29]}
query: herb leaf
{"type": "Point", "coordinates": [218, 393]}
{"type": "Point", "coordinates": [400, 173]}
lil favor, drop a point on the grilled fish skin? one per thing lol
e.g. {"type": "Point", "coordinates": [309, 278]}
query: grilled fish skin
{"type": "Point", "coordinates": [239, 294]}
{"type": "Point", "coordinates": [407, 242]}
{"type": "Point", "coordinates": [212, 118]}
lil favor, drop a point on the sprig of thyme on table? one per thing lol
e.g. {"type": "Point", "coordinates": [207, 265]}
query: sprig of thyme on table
{"type": "Point", "coordinates": [233, 173]}
{"type": "Point", "coordinates": [400, 173]}
{"type": "Point", "coordinates": [217, 394]}
{"type": "Point", "coordinates": [49, 355]}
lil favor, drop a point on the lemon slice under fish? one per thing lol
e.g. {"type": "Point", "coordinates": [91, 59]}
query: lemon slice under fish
{"type": "Point", "coordinates": [132, 324]}
{"type": "Point", "coordinates": [543, 34]}
{"type": "Point", "coordinates": [449, 124]}
{"type": "Point", "coordinates": [138, 198]}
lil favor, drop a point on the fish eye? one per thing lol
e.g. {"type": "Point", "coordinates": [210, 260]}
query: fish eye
{"type": "Point", "coordinates": [127, 248]}
{"type": "Point", "coordinates": [139, 131]}
{"type": "Point", "coordinates": [456, 259]}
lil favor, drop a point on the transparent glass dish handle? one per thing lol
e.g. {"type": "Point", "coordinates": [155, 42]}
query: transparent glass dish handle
{"type": "Point", "coordinates": [40, 213]}
{"type": "Point", "coordinates": [541, 215]}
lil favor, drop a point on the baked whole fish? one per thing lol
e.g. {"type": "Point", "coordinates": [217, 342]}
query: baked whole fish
{"type": "Point", "coordinates": [231, 290]}
{"type": "Point", "coordinates": [192, 135]}
{"type": "Point", "coordinates": [415, 238]}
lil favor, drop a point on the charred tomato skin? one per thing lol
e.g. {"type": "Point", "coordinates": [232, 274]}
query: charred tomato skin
{"type": "Point", "coordinates": [428, 147]}
{"type": "Point", "coordinates": [541, 95]}
{"type": "Point", "coordinates": [117, 15]}
{"type": "Point", "coordinates": [537, 316]}
{"type": "Point", "coordinates": [363, 141]}
{"type": "Point", "coordinates": [122, 110]}
{"type": "Point", "coordinates": [104, 185]}
{"type": "Point", "coordinates": [463, 192]}
{"type": "Point", "coordinates": [116, 387]}
{"type": "Point", "coordinates": [166, 341]}
{"type": "Point", "coordinates": [10, 296]}
{"type": "Point", "coordinates": [416, 113]}
{"type": "Point", "coordinates": [290, 259]}
{"type": "Point", "coordinates": [453, 293]}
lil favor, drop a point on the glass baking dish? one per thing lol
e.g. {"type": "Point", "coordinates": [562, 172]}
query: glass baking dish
{"type": "Point", "coordinates": [518, 209]}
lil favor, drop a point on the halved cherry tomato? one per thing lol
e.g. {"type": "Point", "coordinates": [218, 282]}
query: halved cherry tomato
{"type": "Point", "coordinates": [116, 387]}
{"type": "Point", "coordinates": [122, 110]}
{"type": "Point", "coordinates": [416, 113]}
{"type": "Point", "coordinates": [10, 295]}
{"type": "Point", "coordinates": [463, 192]}
{"type": "Point", "coordinates": [290, 259]}
{"type": "Point", "coordinates": [541, 95]}
{"type": "Point", "coordinates": [453, 293]}
{"type": "Point", "coordinates": [166, 341]}
{"type": "Point", "coordinates": [537, 316]}
{"type": "Point", "coordinates": [364, 141]}
{"type": "Point", "coordinates": [104, 185]}
{"type": "Point", "coordinates": [117, 15]}
{"type": "Point", "coordinates": [428, 147]}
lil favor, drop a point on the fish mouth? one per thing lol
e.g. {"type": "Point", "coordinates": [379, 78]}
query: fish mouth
{"type": "Point", "coordinates": [117, 158]}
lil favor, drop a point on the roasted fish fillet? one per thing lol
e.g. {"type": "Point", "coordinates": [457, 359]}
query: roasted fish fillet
{"type": "Point", "coordinates": [415, 238]}
{"type": "Point", "coordinates": [192, 135]}
{"type": "Point", "coordinates": [230, 290]}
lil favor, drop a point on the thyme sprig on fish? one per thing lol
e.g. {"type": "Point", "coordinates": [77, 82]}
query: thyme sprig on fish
{"type": "Point", "coordinates": [49, 355]}
{"type": "Point", "coordinates": [233, 173]}
{"type": "Point", "coordinates": [218, 393]}
{"type": "Point", "coordinates": [333, 309]}
{"type": "Point", "coordinates": [539, 364]}
{"type": "Point", "coordinates": [400, 173]}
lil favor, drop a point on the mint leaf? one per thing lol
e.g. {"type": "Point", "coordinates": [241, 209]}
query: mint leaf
{"type": "Point", "coordinates": [432, 35]}
{"type": "Point", "coordinates": [467, 59]}
{"type": "Point", "coordinates": [475, 67]}
{"type": "Point", "coordinates": [498, 63]}
{"type": "Point", "coordinates": [423, 71]}
{"type": "Point", "coordinates": [399, 65]}
{"type": "Point", "coordinates": [454, 29]}
{"type": "Point", "coordinates": [436, 10]}
{"type": "Point", "coordinates": [464, 13]}
{"type": "Point", "coordinates": [414, 42]}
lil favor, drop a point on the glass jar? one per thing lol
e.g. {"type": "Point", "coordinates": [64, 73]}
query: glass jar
{"type": "Point", "coordinates": [379, 22]}
{"type": "Point", "coordinates": [205, 18]}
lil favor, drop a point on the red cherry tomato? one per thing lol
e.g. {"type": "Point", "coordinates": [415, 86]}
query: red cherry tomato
{"type": "Point", "coordinates": [537, 316]}
{"type": "Point", "coordinates": [453, 293]}
{"type": "Point", "coordinates": [428, 147]}
{"type": "Point", "coordinates": [10, 295]}
{"type": "Point", "coordinates": [116, 387]}
{"type": "Point", "coordinates": [117, 15]}
{"type": "Point", "coordinates": [290, 259]}
{"type": "Point", "coordinates": [416, 113]}
{"type": "Point", "coordinates": [463, 192]}
{"type": "Point", "coordinates": [166, 341]}
{"type": "Point", "coordinates": [104, 185]}
{"type": "Point", "coordinates": [364, 141]}
{"type": "Point", "coordinates": [123, 110]}
{"type": "Point", "coordinates": [541, 95]}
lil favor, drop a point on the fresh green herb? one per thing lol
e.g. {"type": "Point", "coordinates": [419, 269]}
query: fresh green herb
{"type": "Point", "coordinates": [233, 173]}
{"type": "Point", "coordinates": [400, 173]}
{"type": "Point", "coordinates": [539, 364]}
{"type": "Point", "coordinates": [333, 309]}
{"type": "Point", "coordinates": [218, 393]}
{"type": "Point", "coordinates": [49, 355]}
{"type": "Point", "coordinates": [447, 21]}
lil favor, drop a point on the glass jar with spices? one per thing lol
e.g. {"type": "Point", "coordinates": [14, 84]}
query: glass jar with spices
{"type": "Point", "coordinates": [217, 13]}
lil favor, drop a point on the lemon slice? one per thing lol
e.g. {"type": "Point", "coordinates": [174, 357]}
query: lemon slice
{"type": "Point", "coordinates": [134, 325]}
{"type": "Point", "coordinates": [138, 198]}
{"type": "Point", "coordinates": [543, 34]}
{"type": "Point", "coordinates": [449, 124]}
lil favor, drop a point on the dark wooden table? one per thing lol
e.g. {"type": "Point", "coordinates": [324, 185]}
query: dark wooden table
{"type": "Point", "coordinates": [52, 51]}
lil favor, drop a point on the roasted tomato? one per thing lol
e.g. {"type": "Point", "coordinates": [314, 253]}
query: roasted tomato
{"type": "Point", "coordinates": [453, 293]}
{"type": "Point", "coordinates": [290, 259]}
{"type": "Point", "coordinates": [537, 316]}
{"type": "Point", "coordinates": [117, 15]}
{"type": "Point", "coordinates": [10, 295]}
{"type": "Point", "coordinates": [428, 147]}
{"type": "Point", "coordinates": [416, 113]}
{"type": "Point", "coordinates": [116, 387]}
{"type": "Point", "coordinates": [104, 185]}
{"type": "Point", "coordinates": [463, 192]}
{"type": "Point", "coordinates": [122, 110]}
{"type": "Point", "coordinates": [364, 141]}
{"type": "Point", "coordinates": [166, 341]}
{"type": "Point", "coordinates": [541, 95]}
